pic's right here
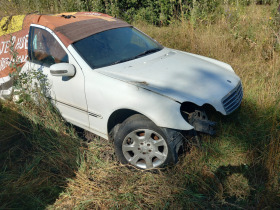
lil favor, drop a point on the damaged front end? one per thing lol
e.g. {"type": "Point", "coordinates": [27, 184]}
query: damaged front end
{"type": "Point", "coordinates": [197, 117]}
{"type": "Point", "coordinates": [199, 120]}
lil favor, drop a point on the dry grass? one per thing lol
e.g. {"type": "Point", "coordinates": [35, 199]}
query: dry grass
{"type": "Point", "coordinates": [37, 154]}
{"type": "Point", "coordinates": [238, 168]}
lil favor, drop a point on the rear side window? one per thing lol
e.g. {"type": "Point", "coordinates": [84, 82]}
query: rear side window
{"type": "Point", "coordinates": [44, 49]}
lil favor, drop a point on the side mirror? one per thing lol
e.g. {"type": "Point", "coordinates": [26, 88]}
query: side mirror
{"type": "Point", "coordinates": [63, 69]}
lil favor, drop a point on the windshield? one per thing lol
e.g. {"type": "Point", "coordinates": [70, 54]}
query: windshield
{"type": "Point", "coordinates": [115, 46]}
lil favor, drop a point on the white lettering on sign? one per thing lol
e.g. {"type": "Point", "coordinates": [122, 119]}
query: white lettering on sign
{"type": "Point", "coordinates": [6, 62]}
{"type": "Point", "coordinates": [22, 42]}
{"type": "Point", "coordinates": [3, 47]}
{"type": "Point", "coordinates": [22, 58]}
{"type": "Point", "coordinates": [26, 42]}
{"type": "Point", "coordinates": [19, 43]}
{"type": "Point", "coordinates": [6, 47]}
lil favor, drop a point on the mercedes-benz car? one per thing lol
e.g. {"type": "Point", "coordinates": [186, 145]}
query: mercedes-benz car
{"type": "Point", "coordinates": [113, 80]}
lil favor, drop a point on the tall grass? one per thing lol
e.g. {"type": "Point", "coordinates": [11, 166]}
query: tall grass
{"type": "Point", "coordinates": [238, 168]}
{"type": "Point", "coordinates": [37, 154]}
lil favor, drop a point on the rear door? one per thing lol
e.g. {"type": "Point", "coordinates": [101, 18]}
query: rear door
{"type": "Point", "coordinates": [68, 94]}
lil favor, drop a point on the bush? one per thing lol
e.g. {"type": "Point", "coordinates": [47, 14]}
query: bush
{"type": "Point", "coordinates": [159, 12]}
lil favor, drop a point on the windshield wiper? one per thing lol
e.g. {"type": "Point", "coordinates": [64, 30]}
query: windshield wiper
{"type": "Point", "coordinates": [137, 56]}
{"type": "Point", "coordinates": [147, 52]}
{"type": "Point", "coordinates": [123, 60]}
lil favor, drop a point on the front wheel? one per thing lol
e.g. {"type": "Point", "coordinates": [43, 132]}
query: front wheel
{"type": "Point", "coordinates": [141, 143]}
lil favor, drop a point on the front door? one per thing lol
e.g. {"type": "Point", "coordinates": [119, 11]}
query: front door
{"type": "Point", "coordinates": [68, 94]}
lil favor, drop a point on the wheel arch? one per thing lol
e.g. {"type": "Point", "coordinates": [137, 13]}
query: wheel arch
{"type": "Point", "coordinates": [117, 117]}
{"type": "Point", "coordinates": [167, 115]}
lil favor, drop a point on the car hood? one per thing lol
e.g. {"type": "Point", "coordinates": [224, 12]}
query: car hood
{"type": "Point", "coordinates": [179, 75]}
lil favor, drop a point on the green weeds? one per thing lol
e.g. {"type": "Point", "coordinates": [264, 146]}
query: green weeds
{"type": "Point", "coordinates": [159, 12]}
{"type": "Point", "coordinates": [37, 155]}
{"type": "Point", "coordinates": [42, 163]}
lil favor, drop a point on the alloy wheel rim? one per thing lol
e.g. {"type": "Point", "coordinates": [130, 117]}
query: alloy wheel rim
{"type": "Point", "coordinates": [145, 148]}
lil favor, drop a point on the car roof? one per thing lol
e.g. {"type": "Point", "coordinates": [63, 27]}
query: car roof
{"type": "Point", "coordinates": [69, 27]}
{"type": "Point", "coordinates": [72, 27]}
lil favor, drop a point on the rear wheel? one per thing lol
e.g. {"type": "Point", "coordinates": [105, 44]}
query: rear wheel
{"type": "Point", "coordinates": [141, 143]}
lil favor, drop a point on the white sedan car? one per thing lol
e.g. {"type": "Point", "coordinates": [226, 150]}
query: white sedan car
{"type": "Point", "coordinates": [124, 86]}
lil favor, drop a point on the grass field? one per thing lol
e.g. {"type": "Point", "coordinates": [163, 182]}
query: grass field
{"type": "Point", "coordinates": [45, 164]}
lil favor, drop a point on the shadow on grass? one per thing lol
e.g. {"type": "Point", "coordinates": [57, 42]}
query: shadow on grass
{"type": "Point", "coordinates": [255, 131]}
{"type": "Point", "coordinates": [236, 169]}
{"type": "Point", "coordinates": [257, 178]}
{"type": "Point", "coordinates": [35, 162]}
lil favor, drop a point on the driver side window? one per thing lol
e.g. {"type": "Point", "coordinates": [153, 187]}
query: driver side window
{"type": "Point", "coordinates": [44, 49]}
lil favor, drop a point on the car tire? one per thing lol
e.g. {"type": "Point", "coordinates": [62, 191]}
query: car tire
{"type": "Point", "coordinates": [141, 143]}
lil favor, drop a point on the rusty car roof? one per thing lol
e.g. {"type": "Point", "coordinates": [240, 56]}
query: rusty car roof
{"type": "Point", "coordinates": [71, 27]}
